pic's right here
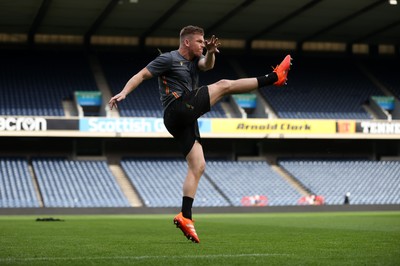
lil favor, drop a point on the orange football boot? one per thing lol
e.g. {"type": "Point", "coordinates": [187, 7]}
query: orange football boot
{"type": "Point", "coordinates": [187, 227]}
{"type": "Point", "coordinates": [282, 71]}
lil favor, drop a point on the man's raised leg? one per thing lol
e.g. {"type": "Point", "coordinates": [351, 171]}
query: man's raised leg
{"type": "Point", "coordinates": [225, 87]}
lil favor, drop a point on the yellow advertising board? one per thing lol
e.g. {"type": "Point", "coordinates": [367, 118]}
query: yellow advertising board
{"type": "Point", "coordinates": [273, 126]}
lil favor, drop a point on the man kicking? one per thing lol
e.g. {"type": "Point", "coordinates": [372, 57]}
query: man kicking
{"type": "Point", "coordinates": [184, 102]}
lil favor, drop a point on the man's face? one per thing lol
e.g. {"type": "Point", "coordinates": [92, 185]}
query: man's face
{"type": "Point", "coordinates": [197, 44]}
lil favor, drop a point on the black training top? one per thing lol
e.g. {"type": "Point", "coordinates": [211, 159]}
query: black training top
{"type": "Point", "coordinates": [175, 75]}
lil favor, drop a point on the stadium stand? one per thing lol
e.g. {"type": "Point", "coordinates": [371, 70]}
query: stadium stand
{"type": "Point", "coordinates": [159, 183]}
{"type": "Point", "coordinates": [144, 101]}
{"type": "Point", "coordinates": [16, 185]}
{"type": "Point", "coordinates": [68, 183]}
{"type": "Point", "coordinates": [238, 179]}
{"type": "Point", "coordinates": [369, 182]}
{"type": "Point", "coordinates": [36, 83]}
{"type": "Point", "coordinates": [316, 90]}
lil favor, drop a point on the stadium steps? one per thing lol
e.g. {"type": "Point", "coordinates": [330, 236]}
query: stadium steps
{"type": "Point", "coordinates": [290, 179]}
{"type": "Point", "coordinates": [264, 109]}
{"type": "Point", "coordinates": [374, 80]}
{"type": "Point", "coordinates": [103, 86]}
{"type": "Point", "coordinates": [35, 185]}
{"type": "Point", "coordinates": [377, 83]}
{"type": "Point", "coordinates": [69, 108]}
{"type": "Point", "coordinates": [217, 188]}
{"type": "Point", "coordinates": [125, 185]}
{"type": "Point", "coordinates": [230, 113]}
{"type": "Point", "coordinates": [369, 110]}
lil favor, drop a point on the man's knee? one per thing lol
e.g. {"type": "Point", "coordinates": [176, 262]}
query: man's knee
{"type": "Point", "coordinates": [224, 85]}
{"type": "Point", "coordinates": [198, 167]}
{"type": "Point", "coordinates": [195, 159]}
{"type": "Point", "coordinates": [219, 89]}
{"type": "Point", "coordinates": [202, 167]}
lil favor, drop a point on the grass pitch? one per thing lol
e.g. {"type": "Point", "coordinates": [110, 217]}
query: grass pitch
{"type": "Point", "coordinates": [362, 238]}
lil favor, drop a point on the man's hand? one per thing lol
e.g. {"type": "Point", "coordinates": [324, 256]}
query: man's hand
{"type": "Point", "coordinates": [117, 98]}
{"type": "Point", "coordinates": [212, 45]}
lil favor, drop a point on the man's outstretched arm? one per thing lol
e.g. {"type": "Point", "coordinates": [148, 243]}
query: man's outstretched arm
{"type": "Point", "coordinates": [132, 84]}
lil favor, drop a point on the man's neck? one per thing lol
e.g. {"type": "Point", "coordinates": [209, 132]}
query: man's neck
{"type": "Point", "coordinates": [185, 54]}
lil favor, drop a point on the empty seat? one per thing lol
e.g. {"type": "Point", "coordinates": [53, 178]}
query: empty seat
{"type": "Point", "coordinates": [369, 182]}
{"type": "Point", "coordinates": [68, 183]}
{"type": "Point", "coordinates": [36, 83]}
{"type": "Point", "coordinates": [16, 184]}
{"type": "Point", "coordinates": [159, 183]}
{"type": "Point", "coordinates": [238, 179]}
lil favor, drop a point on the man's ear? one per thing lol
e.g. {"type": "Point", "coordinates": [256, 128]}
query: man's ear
{"type": "Point", "coordinates": [186, 42]}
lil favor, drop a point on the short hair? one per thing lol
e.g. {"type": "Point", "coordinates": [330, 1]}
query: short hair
{"type": "Point", "coordinates": [188, 30]}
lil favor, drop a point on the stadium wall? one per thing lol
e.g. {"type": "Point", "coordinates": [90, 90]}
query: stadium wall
{"type": "Point", "coordinates": [172, 211]}
{"type": "Point", "coordinates": [142, 127]}
{"type": "Point", "coordinates": [226, 137]}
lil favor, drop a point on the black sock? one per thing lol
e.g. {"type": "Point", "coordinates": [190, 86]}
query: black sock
{"type": "Point", "coordinates": [187, 203]}
{"type": "Point", "coordinates": [266, 80]}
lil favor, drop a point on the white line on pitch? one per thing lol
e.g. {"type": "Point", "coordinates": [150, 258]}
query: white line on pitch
{"type": "Point", "coordinates": [142, 257]}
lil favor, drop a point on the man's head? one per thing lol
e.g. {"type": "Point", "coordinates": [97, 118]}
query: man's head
{"type": "Point", "coordinates": [192, 40]}
{"type": "Point", "coordinates": [190, 30]}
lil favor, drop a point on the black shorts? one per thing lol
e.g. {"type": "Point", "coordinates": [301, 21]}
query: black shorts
{"type": "Point", "coordinates": [180, 117]}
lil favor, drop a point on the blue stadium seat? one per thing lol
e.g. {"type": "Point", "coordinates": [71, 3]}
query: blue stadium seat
{"type": "Point", "coordinates": [159, 183]}
{"type": "Point", "coordinates": [68, 183]}
{"type": "Point", "coordinates": [369, 182]}
{"type": "Point", "coordinates": [36, 83]}
{"type": "Point", "coordinates": [16, 184]}
{"type": "Point", "coordinates": [238, 179]}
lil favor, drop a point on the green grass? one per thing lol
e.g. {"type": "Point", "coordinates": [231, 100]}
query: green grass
{"type": "Point", "coordinates": [362, 238]}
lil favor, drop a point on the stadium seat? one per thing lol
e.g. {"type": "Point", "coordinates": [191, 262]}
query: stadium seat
{"type": "Point", "coordinates": [36, 83]}
{"type": "Point", "coordinates": [159, 183]}
{"type": "Point", "coordinates": [369, 182]}
{"type": "Point", "coordinates": [16, 184]}
{"type": "Point", "coordinates": [235, 180]}
{"type": "Point", "coordinates": [68, 183]}
{"type": "Point", "coordinates": [238, 179]}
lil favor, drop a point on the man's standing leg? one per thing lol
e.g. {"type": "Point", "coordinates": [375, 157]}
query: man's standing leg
{"type": "Point", "coordinates": [196, 166]}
